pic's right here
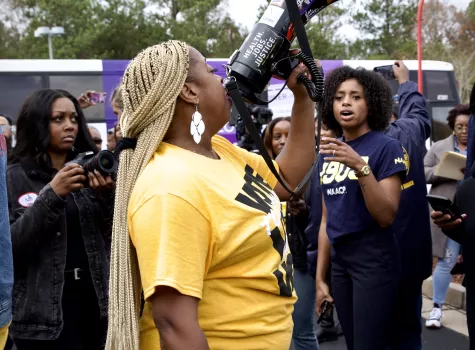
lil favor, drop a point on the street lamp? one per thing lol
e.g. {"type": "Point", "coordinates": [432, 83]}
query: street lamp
{"type": "Point", "coordinates": [50, 32]}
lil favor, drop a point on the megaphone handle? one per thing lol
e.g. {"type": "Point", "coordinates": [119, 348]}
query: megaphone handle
{"type": "Point", "coordinates": [315, 86]}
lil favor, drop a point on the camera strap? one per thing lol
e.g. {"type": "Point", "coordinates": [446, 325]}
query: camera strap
{"type": "Point", "coordinates": [235, 94]}
{"type": "Point", "coordinates": [238, 101]}
{"type": "Point", "coordinates": [125, 143]}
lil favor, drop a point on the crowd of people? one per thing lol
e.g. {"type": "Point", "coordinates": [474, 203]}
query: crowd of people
{"type": "Point", "coordinates": [194, 244]}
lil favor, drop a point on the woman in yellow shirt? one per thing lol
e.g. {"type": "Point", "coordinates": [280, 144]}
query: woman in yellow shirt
{"type": "Point", "coordinates": [197, 222]}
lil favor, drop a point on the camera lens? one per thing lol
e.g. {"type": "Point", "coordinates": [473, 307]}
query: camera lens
{"type": "Point", "coordinates": [107, 162]}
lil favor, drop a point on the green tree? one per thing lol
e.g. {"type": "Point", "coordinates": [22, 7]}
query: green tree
{"type": "Point", "coordinates": [322, 34]}
{"type": "Point", "coordinates": [94, 29]}
{"type": "Point", "coordinates": [449, 35]}
{"type": "Point", "coordinates": [9, 38]}
{"type": "Point", "coordinates": [203, 24]}
{"type": "Point", "coordinates": [471, 10]}
{"type": "Point", "coordinates": [117, 29]}
{"type": "Point", "coordinates": [262, 8]}
{"type": "Point", "coordinates": [387, 29]}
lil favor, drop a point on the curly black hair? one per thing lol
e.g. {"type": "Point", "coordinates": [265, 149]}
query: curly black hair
{"type": "Point", "coordinates": [455, 112]}
{"type": "Point", "coordinates": [378, 96]}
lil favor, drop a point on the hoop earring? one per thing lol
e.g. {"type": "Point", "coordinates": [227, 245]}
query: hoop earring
{"type": "Point", "coordinates": [197, 127]}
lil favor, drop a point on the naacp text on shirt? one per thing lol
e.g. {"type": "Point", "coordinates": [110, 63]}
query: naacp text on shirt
{"type": "Point", "coordinates": [339, 172]}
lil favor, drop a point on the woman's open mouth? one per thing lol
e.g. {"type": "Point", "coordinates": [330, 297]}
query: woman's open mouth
{"type": "Point", "coordinates": [347, 115]}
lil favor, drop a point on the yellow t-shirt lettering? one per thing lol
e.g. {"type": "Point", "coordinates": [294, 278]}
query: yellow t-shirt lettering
{"type": "Point", "coordinates": [212, 229]}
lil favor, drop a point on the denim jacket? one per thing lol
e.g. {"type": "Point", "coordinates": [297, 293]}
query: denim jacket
{"type": "Point", "coordinates": [6, 261]}
{"type": "Point", "coordinates": [39, 240]}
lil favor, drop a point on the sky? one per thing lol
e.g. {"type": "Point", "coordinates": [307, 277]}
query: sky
{"type": "Point", "coordinates": [245, 11]}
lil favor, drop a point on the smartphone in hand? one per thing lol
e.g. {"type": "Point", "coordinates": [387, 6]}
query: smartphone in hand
{"type": "Point", "coordinates": [444, 205]}
{"type": "Point", "coordinates": [97, 97]}
{"type": "Point", "coordinates": [386, 72]}
{"type": "Point", "coordinates": [326, 308]}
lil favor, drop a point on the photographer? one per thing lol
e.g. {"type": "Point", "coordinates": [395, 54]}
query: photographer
{"type": "Point", "coordinates": [60, 226]}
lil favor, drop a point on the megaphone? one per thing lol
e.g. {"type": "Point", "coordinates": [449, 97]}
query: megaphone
{"type": "Point", "coordinates": [263, 53]}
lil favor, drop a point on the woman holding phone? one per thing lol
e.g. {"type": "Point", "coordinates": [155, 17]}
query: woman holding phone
{"type": "Point", "coordinates": [445, 249]}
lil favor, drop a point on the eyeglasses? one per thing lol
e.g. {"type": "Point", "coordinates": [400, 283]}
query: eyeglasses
{"type": "Point", "coordinates": [460, 128]}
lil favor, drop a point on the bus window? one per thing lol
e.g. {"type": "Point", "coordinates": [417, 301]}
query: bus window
{"type": "Point", "coordinates": [440, 129]}
{"type": "Point", "coordinates": [15, 89]}
{"type": "Point", "coordinates": [76, 85]}
{"type": "Point", "coordinates": [438, 86]}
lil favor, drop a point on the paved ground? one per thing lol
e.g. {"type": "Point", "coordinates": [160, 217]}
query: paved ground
{"type": "Point", "coordinates": [453, 336]}
{"type": "Point", "coordinates": [443, 339]}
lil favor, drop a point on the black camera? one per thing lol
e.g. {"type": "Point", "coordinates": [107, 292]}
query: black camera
{"type": "Point", "coordinates": [105, 162]}
{"type": "Point", "coordinates": [265, 51]}
{"type": "Point", "coordinates": [261, 116]}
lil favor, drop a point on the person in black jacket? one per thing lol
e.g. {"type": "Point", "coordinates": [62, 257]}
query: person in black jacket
{"type": "Point", "coordinates": [296, 216]}
{"type": "Point", "coordinates": [61, 220]}
{"type": "Point", "coordinates": [462, 231]}
{"type": "Point", "coordinates": [412, 224]}
{"type": "Point", "coordinates": [471, 136]}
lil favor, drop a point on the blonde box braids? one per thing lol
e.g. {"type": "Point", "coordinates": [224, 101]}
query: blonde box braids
{"type": "Point", "coordinates": [150, 87]}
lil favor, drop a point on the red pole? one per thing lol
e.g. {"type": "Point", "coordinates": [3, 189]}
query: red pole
{"type": "Point", "coordinates": [419, 45]}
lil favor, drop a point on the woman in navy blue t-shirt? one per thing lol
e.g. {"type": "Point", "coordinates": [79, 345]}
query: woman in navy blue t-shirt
{"type": "Point", "coordinates": [361, 178]}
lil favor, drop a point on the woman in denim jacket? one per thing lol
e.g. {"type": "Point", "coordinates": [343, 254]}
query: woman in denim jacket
{"type": "Point", "coordinates": [6, 263]}
{"type": "Point", "coordinates": [60, 220]}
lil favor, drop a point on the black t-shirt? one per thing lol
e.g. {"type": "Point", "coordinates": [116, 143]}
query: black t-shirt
{"type": "Point", "coordinates": [76, 256]}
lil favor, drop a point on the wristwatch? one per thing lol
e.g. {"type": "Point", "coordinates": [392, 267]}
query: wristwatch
{"type": "Point", "coordinates": [365, 171]}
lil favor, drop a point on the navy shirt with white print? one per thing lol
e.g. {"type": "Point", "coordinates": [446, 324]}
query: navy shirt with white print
{"type": "Point", "coordinates": [346, 209]}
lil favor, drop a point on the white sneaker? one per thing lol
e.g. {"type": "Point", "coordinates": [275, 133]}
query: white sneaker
{"type": "Point", "coordinates": [434, 319]}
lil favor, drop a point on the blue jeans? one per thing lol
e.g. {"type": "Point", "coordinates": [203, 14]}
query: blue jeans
{"type": "Point", "coordinates": [304, 336]}
{"type": "Point", "coordinates": [6, 260]}
{"type": "Point", "coordinates": [441, 277]}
